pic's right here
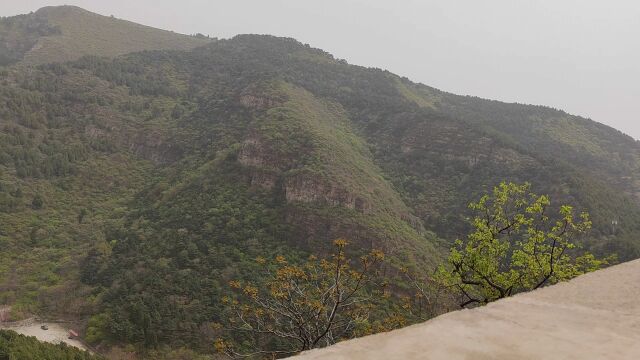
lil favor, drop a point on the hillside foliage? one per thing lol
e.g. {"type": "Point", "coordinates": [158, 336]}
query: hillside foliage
{"type": "Point", "coordinates": [303, 307]}
{"type": "Point", "coordinates": [134, 188]}
{"type": "Point", "coordinates": [516, 245]}
{"type": "Point", "coordinates": [14, 346]}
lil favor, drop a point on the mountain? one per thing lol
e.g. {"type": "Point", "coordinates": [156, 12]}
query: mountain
{"type": "Point", "coordinates": [62, 33]}
{"type": "Point", "coordinates": [134, 188]}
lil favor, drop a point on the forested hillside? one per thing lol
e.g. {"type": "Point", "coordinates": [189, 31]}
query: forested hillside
{"type": "Point", "coordinates": [133, 189]}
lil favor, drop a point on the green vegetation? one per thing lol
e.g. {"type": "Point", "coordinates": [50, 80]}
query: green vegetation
{"type": "Point", "coordinates": [133, 189]}
{"type": "Point", "coordinates": [19, 34]}
{"type": "Point", "coordinates": [19, 347]}
{"type": "Point", "coordinates": [302, 307]}
{"type": "Point", "coordinates": [515, 247]}
{"type": "Point", "coordinates": [63, 33]}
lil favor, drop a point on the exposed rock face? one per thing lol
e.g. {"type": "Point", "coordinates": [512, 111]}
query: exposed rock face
{"type": "Point", "coordinates": [256, 153]}
{"type": "Point", "coordinates": [304, 150]}
{"type": "Point", "coordinates": [594, 316]}
{"type": "Point", "coordinates": [447, 142]}
{"type": "Point", "coordinates": [256, 97]}
{"type": "Point", "coordinates": [308, 189]}
{"type": "Point", "coordinates": [155, 146]}
{"type": "Point", "coordinates": [257, 102]}
{"type": "Point", "coordinates": [263, 178]}
{"type": "Point", "coordinates": [266, 169]}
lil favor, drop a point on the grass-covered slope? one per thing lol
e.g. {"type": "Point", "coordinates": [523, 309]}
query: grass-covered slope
{"type": "Point", "coordinates": [134, 188]}
{"type": "Point", "coordinates": [63, 33]}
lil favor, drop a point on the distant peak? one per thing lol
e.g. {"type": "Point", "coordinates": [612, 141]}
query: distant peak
{"type": "Point", "coordinates": [71, 9]}
{"type": "Point", "coordinates": [83, 33]}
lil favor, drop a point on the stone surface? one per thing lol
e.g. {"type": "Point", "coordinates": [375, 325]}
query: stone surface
{"type": "Point", "coordinates": [595, 316]}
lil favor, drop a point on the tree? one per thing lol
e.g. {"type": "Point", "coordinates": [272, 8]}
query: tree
{"type": "Point", "coordinates": [431, 296]}
{"type": "Point", "coordinates": [81, 215]}
{"type": "Point", "coordinates": [302, 307]}
{"type": "Point", "coordinates": [37, 202]}
{"type": "Point", "coordinates": [516, 246]}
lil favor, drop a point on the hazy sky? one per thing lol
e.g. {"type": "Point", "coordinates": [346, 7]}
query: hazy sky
{"type": "Point", "coordinates": [582, 56]}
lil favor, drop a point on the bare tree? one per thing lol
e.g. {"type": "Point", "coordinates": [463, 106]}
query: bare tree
{"type": "Point", "coordinates": [301, 307]}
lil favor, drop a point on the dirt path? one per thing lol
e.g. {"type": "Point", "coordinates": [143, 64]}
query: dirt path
{"type": "Point", "coordinates": [55, 334]}
{"type": "Point", "coordinates": [595, 316]}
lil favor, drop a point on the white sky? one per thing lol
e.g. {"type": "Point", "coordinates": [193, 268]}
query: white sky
{"type": "Point", "coordinates": [582, 56]}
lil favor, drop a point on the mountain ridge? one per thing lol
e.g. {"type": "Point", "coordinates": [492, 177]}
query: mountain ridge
{"type": "Point", "coordinates": [64, 33]}
{"type": "Point", "coordinates": [134, 187]}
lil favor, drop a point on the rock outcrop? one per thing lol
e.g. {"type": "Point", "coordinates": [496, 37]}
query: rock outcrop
{"type": "Point", "coordinates": [308, 189]}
